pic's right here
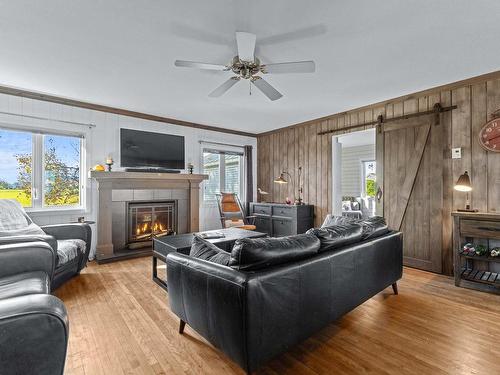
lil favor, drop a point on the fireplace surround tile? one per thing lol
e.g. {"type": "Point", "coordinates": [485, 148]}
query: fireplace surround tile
{"type": "Point", "coordinates": [180, 194]}
{"type": "Point", "coordinates": [162, 194]}
{"type": "Point", "coordinates": [143, 195]}
{"type": "Point", "coordinates": [122, 195]}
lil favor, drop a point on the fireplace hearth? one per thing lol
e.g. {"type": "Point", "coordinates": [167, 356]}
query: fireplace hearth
{"type": "Point", "coordinates": [150, 219]}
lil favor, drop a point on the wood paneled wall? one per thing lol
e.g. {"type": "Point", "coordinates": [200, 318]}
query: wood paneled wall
{"type": "Point", "coordinates": [300, 145]}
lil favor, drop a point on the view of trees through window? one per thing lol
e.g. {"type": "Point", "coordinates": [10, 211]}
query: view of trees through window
{"type": "Point", "coordinates": [16, 149]}
{"type": "Point", "coordinates": [61, 170]}
{"type": "Point", "coordinates": [370, 178]}
{"type": "Point", "coordinates": [224, 174]}
{"type": "Point", "coordinates": [58, 163]}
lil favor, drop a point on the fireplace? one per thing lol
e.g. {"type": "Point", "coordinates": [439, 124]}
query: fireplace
{"type": "Point", "coordinates": [150, 219]}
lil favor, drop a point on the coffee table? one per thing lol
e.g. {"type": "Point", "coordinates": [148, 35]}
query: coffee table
{"type": "Point", "coordinates": [181, 243]}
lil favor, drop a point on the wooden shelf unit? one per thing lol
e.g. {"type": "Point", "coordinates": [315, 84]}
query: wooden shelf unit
{"type": "Point", "coordinates": [480, 272]}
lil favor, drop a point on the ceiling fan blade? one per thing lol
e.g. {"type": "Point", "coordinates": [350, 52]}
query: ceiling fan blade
{"type": "Point", "coordinates": [200, 65]}
{"type": "Point", "coordinates": [221, 90]}
{"type": "Point", "coordinates": [289, 67]}
{"type": "Point", "coordinates": [266, 88]}
{"type": "Point", "coordinates": [246, 46]}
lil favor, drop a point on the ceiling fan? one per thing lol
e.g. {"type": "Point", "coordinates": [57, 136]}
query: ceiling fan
{"type": "Point", "coordinates": [246, 66]}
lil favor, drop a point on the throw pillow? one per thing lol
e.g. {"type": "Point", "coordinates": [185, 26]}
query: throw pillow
{"type": "Point", "coordinates": [332, 220]}
{"type": "Point", "coordinates": [375, 226]}
{"type": "Point", "coordinates": [346, 206]}
{"type": "Point", "coordinates": [14, 221]}
{"type": "Point", "coordinates": [258, 253]}
{"type": "Point", "coordinates": [336, 236]}
{"type": "Point", "coordinates": [203, 249]}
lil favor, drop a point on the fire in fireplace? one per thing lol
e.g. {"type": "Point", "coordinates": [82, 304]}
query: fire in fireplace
{"type": "Point", "coordinates": [150, 219]}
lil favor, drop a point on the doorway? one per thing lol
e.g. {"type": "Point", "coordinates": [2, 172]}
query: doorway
{"type": "Point", "coordinates": [395, 171]}
{"type": "Point", "coordinates": [354, 174]}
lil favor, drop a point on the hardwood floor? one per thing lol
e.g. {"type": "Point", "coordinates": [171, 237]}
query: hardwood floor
{"type": "Point", "coordinates": [120, 323]}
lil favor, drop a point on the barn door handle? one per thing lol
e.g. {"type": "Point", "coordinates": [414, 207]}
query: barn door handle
{"type": "Point", "coordinates": [379, 194]}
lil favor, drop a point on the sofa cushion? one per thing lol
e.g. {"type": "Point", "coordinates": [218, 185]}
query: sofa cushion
{"type": "Point", "coordinates": [68, 250]}
{"type": "Point", "coordinates": [206, 250]}
{"type": "Point", "coordinates": [337, 236]}
{"type": "Point", "coordinates": [331, 220]}
{"type": "Point", "coordinates": [23, 284]}
{"type": "Point", "coordinates": [256, 253]}
{"type": "Point", "coordinates": [374, 227]}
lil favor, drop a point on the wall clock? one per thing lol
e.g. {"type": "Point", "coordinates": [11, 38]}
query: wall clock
{"type": "Point", "coordinates": [489, 136]}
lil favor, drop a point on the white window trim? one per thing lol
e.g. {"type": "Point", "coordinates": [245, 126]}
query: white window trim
{"type": "Point", "coordinates": [206, 146]}
{"type": "Point", "coordinates": [37, 207]}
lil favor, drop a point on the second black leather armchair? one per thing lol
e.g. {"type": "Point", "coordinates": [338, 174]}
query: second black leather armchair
{"type": "Point", "coordinates": [33, 323]}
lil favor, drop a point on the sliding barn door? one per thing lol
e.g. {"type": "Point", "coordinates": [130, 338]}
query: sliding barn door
{"type": "Point", "coordinates": [409, 173]}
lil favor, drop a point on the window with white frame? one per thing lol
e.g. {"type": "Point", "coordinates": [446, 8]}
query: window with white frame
{"type": "Point", "coordinates": [224, 170]}
{"type": "Point", "coordinates": [369, 178]}
{"type": "Point", "coordinates": [41, 171]}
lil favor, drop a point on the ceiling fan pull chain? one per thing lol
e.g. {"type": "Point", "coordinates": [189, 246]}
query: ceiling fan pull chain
{"type": "Point", "coordinates": [250, 86]}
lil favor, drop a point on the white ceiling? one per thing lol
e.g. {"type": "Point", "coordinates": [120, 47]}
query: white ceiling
{"type": "Point", "coordinates": [121, 53]}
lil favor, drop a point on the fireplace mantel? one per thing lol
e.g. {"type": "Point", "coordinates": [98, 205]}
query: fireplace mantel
{"type": "Point", "coordinates": [109, 181]}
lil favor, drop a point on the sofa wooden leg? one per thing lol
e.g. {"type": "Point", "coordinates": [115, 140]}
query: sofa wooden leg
{"type": "Point", "coordinates": [181, 326]}
{"type": "Point", "coordinates": [395, 288]}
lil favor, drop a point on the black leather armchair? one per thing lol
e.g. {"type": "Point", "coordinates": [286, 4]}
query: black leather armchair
{"type": "Point", "coordinates": [72, 265]}
{"type": "Point", "coordinates": [75, 231]}
{"type": "Point", "coordinates": [33, 323]}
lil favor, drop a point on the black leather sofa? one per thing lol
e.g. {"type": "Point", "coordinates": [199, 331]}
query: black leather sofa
{"type": "Point", "coordinates": [33, 323]}
{"type": "Point", "coordinates": [252, 316]}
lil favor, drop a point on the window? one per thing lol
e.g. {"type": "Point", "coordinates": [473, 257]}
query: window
{"type": "Point", "coordinates": [224, 170]}
{"type": "Point", "coordinates": [369, 178]}
{"type": "Point", "coordinates": [16, 156]}
{"type": "Point", "coordinates": [41, 171]}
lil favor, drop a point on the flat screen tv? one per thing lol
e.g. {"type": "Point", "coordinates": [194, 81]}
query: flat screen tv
{"type": "Point", "coordinates": [139, 149]}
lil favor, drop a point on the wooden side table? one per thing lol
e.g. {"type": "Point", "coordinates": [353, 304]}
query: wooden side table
{"type": "Point", "coordinates": [480, 272]}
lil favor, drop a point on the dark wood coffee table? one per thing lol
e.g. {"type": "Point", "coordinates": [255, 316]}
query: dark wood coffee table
{"type": "Point", "coordinates": [181, 243]}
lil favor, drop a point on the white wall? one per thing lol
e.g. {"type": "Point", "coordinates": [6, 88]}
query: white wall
{"type": "Point", "coordinates": [103, 140]}
{"type": "Point", "coordinates": [351, 168]}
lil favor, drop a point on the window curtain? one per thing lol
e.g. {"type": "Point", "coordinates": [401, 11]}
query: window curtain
{"type": "Point", "coordinates": [248, 176]}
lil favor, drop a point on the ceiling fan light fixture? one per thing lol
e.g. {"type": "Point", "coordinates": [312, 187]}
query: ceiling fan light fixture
{"type": "Point", "coordinates": [246, 66]}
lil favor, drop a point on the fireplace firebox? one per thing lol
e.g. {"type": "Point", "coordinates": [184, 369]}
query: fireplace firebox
{"type": "Point", "coordinates": [150, 219]}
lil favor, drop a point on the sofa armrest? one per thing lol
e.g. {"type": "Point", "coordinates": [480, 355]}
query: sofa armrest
{"type": "Point", "coordinates": [72, 231]}
{"type": "Point", "coordinates": [30, 238]}
{"type": "Point", "coordinates": [34, 335]}
{"type": "Point", "coordinates": [23, 257]}
{"type": "Point", "coordinates": [210, 298]}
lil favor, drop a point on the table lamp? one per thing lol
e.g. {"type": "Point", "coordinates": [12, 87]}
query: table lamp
{"type": "Point", "coordinates": [282, 180]}
{"type": "Point", "coordinates": [463, 184]}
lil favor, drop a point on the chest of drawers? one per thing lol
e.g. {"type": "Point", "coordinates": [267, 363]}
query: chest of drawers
{"type": "Point", "coordinates": [278, 220]}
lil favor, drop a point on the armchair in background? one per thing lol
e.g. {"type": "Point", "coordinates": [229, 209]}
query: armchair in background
{"type": "Point", "coordinates": [232, 214]}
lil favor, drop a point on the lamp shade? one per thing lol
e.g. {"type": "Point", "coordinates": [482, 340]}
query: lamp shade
{"type": "Point", "coordinates": [463, 183]}
{"type": "Point", "coordinates": [281, 179]}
